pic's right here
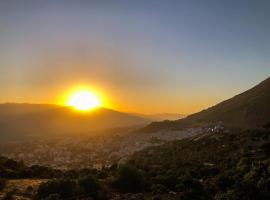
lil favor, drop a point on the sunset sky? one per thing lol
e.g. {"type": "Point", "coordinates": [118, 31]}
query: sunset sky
{"type": "Point", "coordinates": [142, 56]}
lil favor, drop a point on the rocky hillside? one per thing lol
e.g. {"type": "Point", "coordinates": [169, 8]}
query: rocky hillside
{"type": "Point", "coordinates": [250, 109]}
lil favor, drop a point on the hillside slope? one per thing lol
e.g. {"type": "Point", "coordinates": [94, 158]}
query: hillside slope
{"type": "Point", "coordinates": [224, 165]}
{"type": "Point", "coordinates": [250, 109]}
{"type": "Point", "coordinates": [161, 116]}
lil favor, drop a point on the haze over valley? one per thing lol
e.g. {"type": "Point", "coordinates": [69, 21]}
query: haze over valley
{"type": "Point", "coordinates": [104, 137]}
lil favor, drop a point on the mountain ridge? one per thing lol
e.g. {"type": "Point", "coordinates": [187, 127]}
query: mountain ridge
{"type": "Point", "coordinates": [18, 120]}
{"type": "Point", "coordinates": [160, 116]}
{"type": "Point", "coordinates": [249, 109]}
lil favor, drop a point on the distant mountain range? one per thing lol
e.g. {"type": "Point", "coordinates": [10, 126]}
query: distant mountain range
{"type": "Point", "coordinates": [21, 120]}
{"type": "Point", "coordinates": [250, 109]}
{"type": "Point", "coordinates": [161, 116]}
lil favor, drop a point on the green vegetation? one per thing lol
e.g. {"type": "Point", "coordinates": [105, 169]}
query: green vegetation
{"type": "Point", "coordinates": [129, 179]}
{"type": "Point", "coordinates": [9, 195]}
{"type": "Point", "coordinates": [2, 183]}
{"type": "Point", "coordinates": [231, 165]}
{"type": "Point", "coordinates": [82, 188]}
{"type": "Point", "coordinates": [11, 169]}
{"type": "Point", "coordinates": [63, 187]}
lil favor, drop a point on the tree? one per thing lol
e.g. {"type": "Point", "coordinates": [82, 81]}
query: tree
{"type": "Point", "coordinates": [129, 179]}
{"type": "Point", "coordinates": [64, 187]}
{"type": "Point", "coordinates": [266, 148]}
{"type": "Point", "coordinates": [2, 183]}
{"type": "Point", "coordinates": [90, 185]}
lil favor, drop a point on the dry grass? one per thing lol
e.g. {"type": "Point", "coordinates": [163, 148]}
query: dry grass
{"type": "Point", "coordinates": [21, 186]}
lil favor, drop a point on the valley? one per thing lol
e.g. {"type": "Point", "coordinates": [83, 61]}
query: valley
{"type": "Point", "coordinates": [134, 100]}
{"type": "Point", "coordinates": [96, 152]}
{"type": "Point", "coordinates": [197, 157]}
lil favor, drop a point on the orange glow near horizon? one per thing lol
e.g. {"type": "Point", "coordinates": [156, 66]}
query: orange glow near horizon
{"type": "Point", "coordinates": [84, 101]}
{"type": "Point", "coordinates": [119, 99]}
{"type": "Point", "coordinates": [83, 98]}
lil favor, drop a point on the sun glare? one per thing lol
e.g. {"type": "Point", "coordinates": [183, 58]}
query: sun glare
{"type": "Point", "coordinates": [84, 100]}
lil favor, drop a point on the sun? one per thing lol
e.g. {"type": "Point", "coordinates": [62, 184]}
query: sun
{"type": "Point", "coordinates": [84, 100]}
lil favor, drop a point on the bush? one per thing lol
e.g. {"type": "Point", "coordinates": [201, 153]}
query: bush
{"type": "Point", "coordinates": [52, 197]}
{"type": "Point", "coordinates": [223, 182]}
{"type": "Point", "coordinates": [9, 195]}
{"type": "Point", "coordinates": [11, 164]}
{"type": "Point", "coordinates": [266, 148]}
{"type": "Point", "coordinates": [129, 179]}
{"type": "Point", "coordinates": [64, 187]}
{"type": "Point", "coordinates": [158, 189]}
{"type": "Point", "coordinates": [89, 185]}
{"type": "Point", "coordinates": [2, 183]}
{"type": "Point", "coordinates": [168, 181]}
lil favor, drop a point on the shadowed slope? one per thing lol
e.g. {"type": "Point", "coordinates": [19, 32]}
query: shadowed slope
{"type": "Point", "coordinates": [160, 116]}
{"type": "Point", "coordinates": [250, 109]}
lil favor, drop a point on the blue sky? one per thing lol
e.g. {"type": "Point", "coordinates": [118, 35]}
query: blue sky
{"type": "Point", "coordinates": [147, 56]}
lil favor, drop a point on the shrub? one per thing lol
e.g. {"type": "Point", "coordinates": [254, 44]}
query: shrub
{"type": "Point", "coordinates": [89, 185]}
{"type": "Point", "coordinates": [64, 187]}
{"type": "Point", "coordinates": [2, 183]}
{"type": "Point", "coordinates": [9, 195]}
{"type": "Point", "coordinates": [266, 148]}
{"type": "Point", "coordinates": [129, 179]}
{"type": "Point", "coordinates": [158, 189]}
{"type": "Point", "coordinates": [52, 197]}
{"type": "Point", "coordinates": [168, 181]}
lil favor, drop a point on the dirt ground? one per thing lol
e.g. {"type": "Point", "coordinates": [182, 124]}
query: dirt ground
{"type": "Point", "coordinates": [23, 188]}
